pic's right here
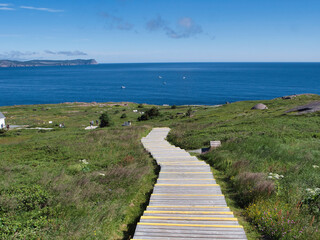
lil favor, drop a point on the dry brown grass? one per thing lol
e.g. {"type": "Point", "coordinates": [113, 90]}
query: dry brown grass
{"type": "Point", "coordinates": [253, 186]}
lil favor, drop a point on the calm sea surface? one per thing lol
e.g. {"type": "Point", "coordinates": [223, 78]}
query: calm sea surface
{"type": "Point", "coordinates": [159, 83]}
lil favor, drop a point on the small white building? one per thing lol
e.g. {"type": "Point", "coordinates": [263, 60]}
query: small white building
{"type": "Point", "coordinates": [2, 121]}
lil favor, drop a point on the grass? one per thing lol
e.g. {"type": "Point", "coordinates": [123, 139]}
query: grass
{"type": "Point", "coordinates": [48, 193]}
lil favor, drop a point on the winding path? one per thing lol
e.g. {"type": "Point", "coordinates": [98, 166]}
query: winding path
{"type": "Point", "coordinates": [186, 202]}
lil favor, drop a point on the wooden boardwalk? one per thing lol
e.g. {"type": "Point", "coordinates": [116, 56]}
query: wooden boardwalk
{"type": "Point", "coordinates": [186, 202]}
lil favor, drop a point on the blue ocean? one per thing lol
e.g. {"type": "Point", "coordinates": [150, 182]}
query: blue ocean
{"type": "Point", "coordinates": [157, 83]}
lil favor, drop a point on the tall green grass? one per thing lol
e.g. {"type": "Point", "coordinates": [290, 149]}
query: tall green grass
{"type": "Point", "coordinates": [69, 183]}
{"type": "Point", "coordinates": [48, 191]}
{"type": "Point", "coordinates": [256, 145]}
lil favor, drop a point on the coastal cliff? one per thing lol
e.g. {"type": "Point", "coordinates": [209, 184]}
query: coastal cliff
{"type": "Point", "coordinates": [41, 63]}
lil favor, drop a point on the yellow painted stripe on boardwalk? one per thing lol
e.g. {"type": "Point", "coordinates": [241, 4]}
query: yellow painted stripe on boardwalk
{"type": "Point", "coordinates": [190, 225]}
{"type": "Point", "coordinates": [186, 207]}
{"type": "Point", "coordinates": [188, 172]}
{"type": "Point", "coordinates": [184, 179]}
{"type": "Point", "coordinates": [196, 195]}
{"type": "Point", "coordinates": [175, 157]}
{"type": "Point", "coordinates": [190, 212]}
{"type": "Point", "coordinates": [183, 164]}
{"type": "Point", "coordinates": [171, 162]}
{"type": "Point", "coordinates": [185, 185]}
{"type": "Point", "coordinates": [189, 218]}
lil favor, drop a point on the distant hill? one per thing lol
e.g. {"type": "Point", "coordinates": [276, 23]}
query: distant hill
{"type": "Point", "coordinates": [40, 63]}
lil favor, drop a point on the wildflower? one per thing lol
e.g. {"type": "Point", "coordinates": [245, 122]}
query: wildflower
{"type": "Point", "coordinates": [101, 174]}
{"type": "Point", "coordinates": [315, 166]}
{"type": "Point", "coordinates": [84, 161]}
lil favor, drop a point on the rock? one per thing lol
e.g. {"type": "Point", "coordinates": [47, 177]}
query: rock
{"type": "Point", "coordinates": [288, 97]}
{"type": "Point", "coordinates": [259, 106]}
{"type": "Point", "coordinates": [296, 95]}
{"type": "Point", "coordinates": [308, 108]}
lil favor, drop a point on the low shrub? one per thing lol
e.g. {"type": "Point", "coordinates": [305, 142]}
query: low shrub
{"type": "Point", "coordinates": [2, 131]}
{"type": "Point", "coordinates": [312, 201]}
{"type": "Point", "coordinates": [105, 120]}
{"type": "Point", "coordinates": [277, 220]}
{"type": "Point", "coordinates": [82, 166]}
{"type": "Point", "coordinates": [149, 114]}
{"type": "Point", "coordinates": [189, 111]}
{"type": "Point", "coordinates": [23, 198]}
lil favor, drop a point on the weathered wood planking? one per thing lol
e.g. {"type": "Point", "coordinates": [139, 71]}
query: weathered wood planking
{"type": "Point", "coordinates": [186, 202]}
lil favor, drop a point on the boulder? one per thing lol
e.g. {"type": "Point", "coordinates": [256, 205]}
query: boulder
{"type": "Point", "coordinates": [259, 106]}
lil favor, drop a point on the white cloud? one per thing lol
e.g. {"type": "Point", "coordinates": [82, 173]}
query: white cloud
{"type": "Point", "coordinates": [6, 9]}
{"type": "Point", "coordinates": [41, 9]}
{"type": "Point", "coordinates": [16, 55]}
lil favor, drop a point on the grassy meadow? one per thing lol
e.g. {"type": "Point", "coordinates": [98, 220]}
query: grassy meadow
{"type": "Point", "coordinates": [71, 183]}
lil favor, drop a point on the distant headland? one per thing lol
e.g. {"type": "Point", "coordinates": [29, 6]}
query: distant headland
{"type": "Point", "coordinates": [42, 63]}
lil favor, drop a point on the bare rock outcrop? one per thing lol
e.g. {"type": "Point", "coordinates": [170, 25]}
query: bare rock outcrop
{"type": "Point", "coordinates": [308, 108]}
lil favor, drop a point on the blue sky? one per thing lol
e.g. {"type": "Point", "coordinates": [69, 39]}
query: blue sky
{"type": "Point", "coordinates": [114, 31]}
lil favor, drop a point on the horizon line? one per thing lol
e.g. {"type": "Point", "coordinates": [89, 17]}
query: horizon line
{"type": "Point", "coordinates": [161, 62]}
{"type": "Point", "coordinates": [208, 62]}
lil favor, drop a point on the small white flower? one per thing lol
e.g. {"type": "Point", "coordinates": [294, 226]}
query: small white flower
{"type": "Point", "coordinates": [270, 177]}
{"type": "Point", "coordinates": [101, 174]}
{"type": "Point", "coordinates": [84, 161]}
{"type": "Point", "coordinates": [271, 173]}
{"type": "Point", "coordinates": [315, 166]}
{"type": "Point", "coordinates": [281, 176]}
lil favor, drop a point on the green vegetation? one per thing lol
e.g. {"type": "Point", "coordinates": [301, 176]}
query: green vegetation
{"type": "Point", "coordinates": [258, 148]}
{"type": "Point", "coordinates": [149, 114]}
{"type": "Point", "coordinates": [189, 112]}
{"type": "Point", "coordinates": [105, 120]}
{"type": "Point", "coordinates": [69, 183]}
